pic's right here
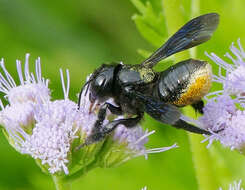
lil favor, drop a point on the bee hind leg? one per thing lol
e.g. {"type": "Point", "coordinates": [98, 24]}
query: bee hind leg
{"type": "Point", "coordinates": [181, 124]}
{"type": "Point", "coordinates": [167, 113]}
{"type": "Point", "coordinates": [99, 132]}
{"type": "Point", "coordinates": [198, 106]}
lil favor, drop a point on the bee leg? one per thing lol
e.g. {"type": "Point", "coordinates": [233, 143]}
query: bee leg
{"type": "Point", "coordinates": [181, 124]}
{"type": "Point", "coordinates": [167, 113]}
{"type": "Point", "coordinates": [114, 109]}
{"type": "Point", "coordinates": [129, 123]}
{"type": "Point", "coordinates": [198, 106]}
{"type": "Point", "coordinates": [99, 132]}
{"type": "Point", "coordinates": [170, 114]}
{"type": "Point", "coordinates": [96, 134]}
{"type": "Point", "coordinates": [102, 131]}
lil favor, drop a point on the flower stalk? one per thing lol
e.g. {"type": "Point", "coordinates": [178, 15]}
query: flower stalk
{"type": "Point", "coordinates": [61, 184]}
{"type": "Point", "coordinates": [200, 154]}
{"type": "Point", "coordinates": [202, 161]}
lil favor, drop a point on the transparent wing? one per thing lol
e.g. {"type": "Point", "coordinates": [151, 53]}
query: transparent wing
{"type": "Point", "coordinates": [193, 33]}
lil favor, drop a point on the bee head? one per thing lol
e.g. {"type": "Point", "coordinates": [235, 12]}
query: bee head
{"type": "Point", "coordinates": [101, 83]}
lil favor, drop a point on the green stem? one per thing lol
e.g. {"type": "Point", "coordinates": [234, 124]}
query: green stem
{"type": "Point", "coordinates": [81, 172]}
{"type": "Point", "coordinates": [201, 157]}
{"type": "Point", "coordinates": [203, 164]}
{"type": "Point", "coordinates": [61, 184]}
{"type": "Point", "coordinates": [202, 160]}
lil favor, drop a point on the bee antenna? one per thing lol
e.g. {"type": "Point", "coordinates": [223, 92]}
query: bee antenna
{"type": "Point", "coordinates": [87, 84]}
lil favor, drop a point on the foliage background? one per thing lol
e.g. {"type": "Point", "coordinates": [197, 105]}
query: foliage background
{"type": "Point", "coordinates": [80, 35]}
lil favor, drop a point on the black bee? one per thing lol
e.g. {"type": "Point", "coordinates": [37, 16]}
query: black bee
{"type": "Point", "coordinates": [138, 88]}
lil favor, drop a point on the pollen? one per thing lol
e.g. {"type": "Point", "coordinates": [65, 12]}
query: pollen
{"type": "Point", "coordinates": [199, 85]}
{"type": "Point", "coordinates": [146, 74]}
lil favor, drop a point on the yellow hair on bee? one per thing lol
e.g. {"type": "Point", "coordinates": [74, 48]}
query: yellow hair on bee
{"type": "Point", "coordinates": [199, 85]}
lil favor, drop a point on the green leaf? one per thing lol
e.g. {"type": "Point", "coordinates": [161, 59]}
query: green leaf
{"type": "Point", "coordinates": [144, 53]}
{"type": "Point", "coordinates": [151, 25]}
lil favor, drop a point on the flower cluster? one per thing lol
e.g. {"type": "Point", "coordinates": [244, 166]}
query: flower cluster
{"type": "Point", "coordinates": [225, 109]}
{"type": "Point", "coordinates": [51, 130]}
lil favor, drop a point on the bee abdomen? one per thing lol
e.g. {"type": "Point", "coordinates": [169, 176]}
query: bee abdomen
{"type": "Point", "coordinates": [185, 83]}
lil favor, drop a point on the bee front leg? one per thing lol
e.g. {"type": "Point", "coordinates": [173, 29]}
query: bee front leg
{"type": "Point", "coordinates": [96, 134]}
{"type": "Point", "coordinates": [114, 109]}
{"type": "Point", "coordinates": [99, 132]}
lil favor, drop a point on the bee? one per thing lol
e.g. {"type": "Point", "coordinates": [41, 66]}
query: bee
{"type": "Point", "coordinates": [138, 89]}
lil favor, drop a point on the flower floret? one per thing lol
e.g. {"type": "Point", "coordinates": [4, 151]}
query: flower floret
{"type": "Point", "coordinates": [225, 109]}
{"type": "Point", "coordinates": [32, 87]}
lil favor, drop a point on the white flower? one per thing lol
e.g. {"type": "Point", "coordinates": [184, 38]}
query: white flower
{"type": "Point", "coordinates": [51, 131]}
{"type": "Point", "coordinates": [32, 87]}
{"type": "Point", "coordinates": [225, 109]}
{"type": "Point", "coordinates": [136, 139]}
{"type": "Point", "coordinates": [56, 126]}
{"type": "Point", "coordinates": [231, 76]}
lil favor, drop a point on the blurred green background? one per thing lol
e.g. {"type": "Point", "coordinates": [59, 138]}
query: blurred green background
{"type": "Point", "coordinates": [81, 35]}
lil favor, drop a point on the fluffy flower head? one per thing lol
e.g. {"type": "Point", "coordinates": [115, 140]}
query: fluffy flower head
{"type": "Point", "coordinates": [32, 87]}
{"type": "Point", "coordinates": [51, 131]}
{"type": "Point", "coordinates": [225, 109]}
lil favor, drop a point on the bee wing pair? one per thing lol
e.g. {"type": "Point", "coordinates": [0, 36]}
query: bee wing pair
{"type": "Point", "coordinates": [193, 33]}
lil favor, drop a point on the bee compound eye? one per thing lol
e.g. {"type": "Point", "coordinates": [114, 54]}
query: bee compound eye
{"type": "Point", "coordinates": [100, 80]}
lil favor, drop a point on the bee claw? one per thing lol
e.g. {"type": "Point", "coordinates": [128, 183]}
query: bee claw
{"type": "Point", "coordinates": [80, 146]}
{"type": "Point", "coordinates": [217, 131]}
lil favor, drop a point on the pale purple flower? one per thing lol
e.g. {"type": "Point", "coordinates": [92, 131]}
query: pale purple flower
{"type": "Point", "coordinates": [218, 111]}
{"type": "Point", "coordinates": [32, 87]}
{"type": "Point", "coordinates": [50, 131]}
{"type": "Point", "coordinates": [21, 114]}
{"type": "Point", "coordinates": [231, 76]}
{"type": "Point", "coordinates": [134, 140]}
{"type": "Point", "coordinates": [45, 130]}
{"type": "Point", "coordinates": [57, 124]}
{"type": "Point", "coordinates": [224, 111]}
